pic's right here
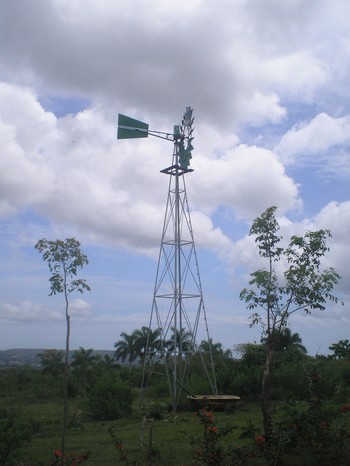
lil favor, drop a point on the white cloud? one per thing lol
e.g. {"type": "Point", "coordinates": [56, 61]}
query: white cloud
{"type": "Point", "coordinates": [312, 140]}
{"type": "Point", "coordinates": [112, 190]}
{"type": "Point", "coordinates": [80, 308]}
{"type": "Point", "coordinates": [27, 311]}
{"type": "Point", "coordinates": [336, 218]}
{"type": "Point", "coordinates": [144, 56]}
{"type": "Point", "coordinates": [261, 109]}
{"type": "Point", "coordinates": [247, 178]}
{"type": "Point", "coordinates": [248, 69]}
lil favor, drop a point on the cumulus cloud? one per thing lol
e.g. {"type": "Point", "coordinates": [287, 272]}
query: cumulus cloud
{"type": "Point", "coordinates": [24, 126]}
{"type": "Point", "coordinates": [312, 141]}
{"type": "Point", "coordinates": [80, 308]}
{"type": "Point", "coordinates": [269, 89]}
{"type": "Point", "coordinates": [27, 311]}
{"type": "Point", "coordinates": [335, 216]}
{"type": "Point", "coordinates": [137, 55]}
{"type": "Point", "coordinates": [248, 179]}
{"type": "Point", "coordinates": [74, 171]}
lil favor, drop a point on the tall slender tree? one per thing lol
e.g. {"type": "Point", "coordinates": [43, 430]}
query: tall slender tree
{"type": "Point", "coordinates": [303, 285]}
{"type": "Point", "coordinates": [64, 258]}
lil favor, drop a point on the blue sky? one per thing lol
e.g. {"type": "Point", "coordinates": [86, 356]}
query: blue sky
{"type": "Point", "coordinates": [269, 85]}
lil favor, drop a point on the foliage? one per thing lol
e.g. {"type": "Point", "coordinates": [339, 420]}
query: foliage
{"type": "Point", "coordinates": [118, 444]}
{"type": "Point", "coordinates": [315, 432]}
{"type": "Point", "coordinates": [133, 347]}
{"type": "Point", "coordinates": [302, 286]}
{"type": "Point", "coordinates": [157, 410]}
{"type": "Point", "coordinates": [341, 349]}
{"type": "Point", "coordinates": [52, 363]}
{"type": "Point", "coordinates": [14, 432]}
{"type": "Point", "coordinates": [64, 258]}
{"type": "Point", "coordinates": [317, 393]}
{"type": "Point", "coordinates": [109, 398]}
{"type": "Point", "coordinates": [211, 450]}
{"type": "Point", "coordinates": [181, 340]}
{"type": "Point", "coordinates": [72, 459]}
{"type": "Point", "coordinates": [83, 362]}
{"type": "Point", "coordinates": [287, 343]}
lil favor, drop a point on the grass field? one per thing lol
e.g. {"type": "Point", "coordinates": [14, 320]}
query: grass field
{"type": "Point", "coordinates": [163, 442]}
{"type": "Point", "coordinates": [319, 437]}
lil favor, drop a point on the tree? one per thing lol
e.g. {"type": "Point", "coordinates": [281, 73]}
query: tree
{"type": "Point", "coordinates": [107, 362]}
{"type": "Point", "coordinates": [52, 362]}
{"type": "Point", "coordinates": [64, 258]}
{"type": "Point", "coordinates": [137, 344]}
{"type": "Point", "coordinates": [181, 341]}
{"type": "Point", "coordinates": [147, 342]}
{"type": "Point", "coordinates": [250, 354]}
{"type": "Point", "coordinates": [341, 349]}
{"type": "Point", "coordinates": [83, 361]}
{"type": "Point", "coordinates": [302, 286]}
{"type": "Point", "coordinates": [208, 346]}
{"type": "Point", "coordinates": [286, 340]}
{"type": "Point", "coordinates": [288, 345]}
{"type": "Point", "coordinates": [125, 348]}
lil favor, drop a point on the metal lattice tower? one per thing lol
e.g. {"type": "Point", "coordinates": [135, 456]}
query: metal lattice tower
{"type": "Point", "coordinates": [178, 309]}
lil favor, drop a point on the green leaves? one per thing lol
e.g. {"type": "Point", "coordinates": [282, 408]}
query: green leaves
{"type": "Point", "coordinates": [302, 285]}
{"type": "Point", "coordinates": [64, 258]}
{"type": "Point", "coordinates": [265, 228]}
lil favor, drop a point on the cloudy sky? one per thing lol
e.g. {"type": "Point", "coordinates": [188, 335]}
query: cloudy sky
{"type": "Point", "coordinates": [269, 84]}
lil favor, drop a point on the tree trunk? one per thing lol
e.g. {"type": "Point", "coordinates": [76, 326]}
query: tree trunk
{"type": "Point", "coordinates": [266, 390]}
{"type": "Point", "coordinates": [65, 386]}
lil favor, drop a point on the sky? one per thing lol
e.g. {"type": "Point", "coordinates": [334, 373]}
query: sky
{"type": "Point", "coordinates": [268, 82]}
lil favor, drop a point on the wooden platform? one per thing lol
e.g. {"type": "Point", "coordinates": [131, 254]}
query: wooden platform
{"type": "Point", "coordinates": [214, 402]}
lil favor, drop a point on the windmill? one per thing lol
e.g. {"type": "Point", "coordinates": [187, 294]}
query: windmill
{"type": "Point", "coordinates": [178, 309]}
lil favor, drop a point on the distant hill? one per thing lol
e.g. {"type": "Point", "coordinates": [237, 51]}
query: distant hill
{"type": "Point", "coordinates": [29, 357]}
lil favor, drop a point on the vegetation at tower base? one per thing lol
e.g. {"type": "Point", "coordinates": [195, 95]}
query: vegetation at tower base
{"type": "Point", "coordinates": [304, 285]}
{"type": "Point", "coordinates": [64, 258]}
{"type": "Point", "coordinates": [311, 398]}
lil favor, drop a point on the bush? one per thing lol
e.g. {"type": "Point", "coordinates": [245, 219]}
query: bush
{"type": "Point", "coordinates": [110, 398]}
{"type": "Point", "coordinates": [157, 410]}
{"type": "Point", "coordinates": [14, 432]}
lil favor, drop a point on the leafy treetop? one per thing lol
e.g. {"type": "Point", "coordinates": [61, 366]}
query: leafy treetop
{"type": "Point", "coordinates": [64, 258]}
{"type": "Point", "coordinates": [304, 285]}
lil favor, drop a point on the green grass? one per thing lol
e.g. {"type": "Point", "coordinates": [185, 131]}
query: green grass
{"type": "Point", "coordinates": [171, 437]}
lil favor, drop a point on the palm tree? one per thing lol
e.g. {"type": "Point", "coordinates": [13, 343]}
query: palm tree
{"type": "Point", "coordinates": [126, 348]}
{"type": "Point", "coordinates": [108, 362]}
{"type": "Point", "coordinates": [288, 343]}
{"type": "Point", "coordinates": [82, 364]}
{"type": "Point", "coordinates": [147, 342]}
{"type": "Point", "coordinates": [83, 359]}
{"type": "Point", "coordinates": [207, 346]}
{"type": "Point", "coordinates": [181, 340]}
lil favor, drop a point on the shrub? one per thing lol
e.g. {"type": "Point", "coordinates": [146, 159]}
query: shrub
{"type": "Point", "coordinates": [110, 398]}
{"type": "Point", "coordinates": [158, 410]}
{"type": "Point", "coordinates": [14, 432]}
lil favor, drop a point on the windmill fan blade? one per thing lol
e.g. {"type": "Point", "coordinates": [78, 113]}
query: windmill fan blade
{"type": "Point", "coordinates": [129, 128]}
